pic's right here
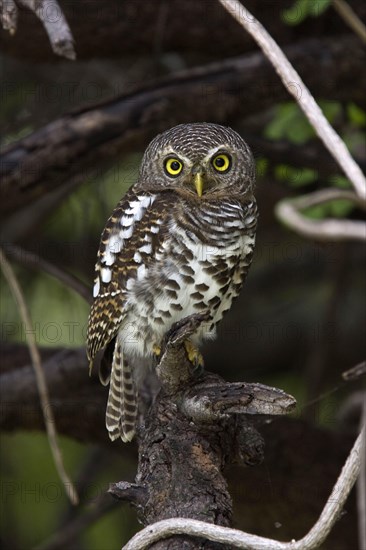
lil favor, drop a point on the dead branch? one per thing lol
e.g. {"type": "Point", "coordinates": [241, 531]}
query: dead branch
{"type": "Point", "coordinates": [82, 142]}
{"type": "Point", "coordinates": [351, 18]}
{"type": "Point", "coordinates": [238, 539]}
{"type": "Point", "coordinates": [72, 395]}
{"type": "Point", "coordinates": [47, 411]}
{"type": "Point", "coordinates": [296, 87]}
{"type": "Point", "coordinates": [52, 18]}
{"type": "Point", "coordinates": [197, 424]}
{"type": "Point", "coordinates": [355, 372]}
{"type": "Point", "coordinates": [79, 406]}
{"type": "Point", "coordinates": [8, 15]}
{"type": "Point", "coordinates": [167, 26]}
{"type": "Point", "coordinates": [361, 483]}
{"type": "Point", "coordinates": [76, 526]}
{"type": "Point", "coordinates": [32, 260]}
{"type": "Point", "coordinates": [288, 211]}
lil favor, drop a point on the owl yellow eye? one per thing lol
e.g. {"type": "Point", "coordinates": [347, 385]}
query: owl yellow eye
{"type": "Point", "coordinates": [173, 166]}
{"type": "Point", "coordinates": [221, 162]}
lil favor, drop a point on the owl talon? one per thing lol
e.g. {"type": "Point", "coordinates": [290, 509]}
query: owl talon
{"type": "Point", "coordinates": [156, 350]}
{"type": "Point", "coordinates": [194, 355]}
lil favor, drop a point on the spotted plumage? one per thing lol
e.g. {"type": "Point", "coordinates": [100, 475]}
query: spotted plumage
{"type": "Point", "coordinates": [179, 242]}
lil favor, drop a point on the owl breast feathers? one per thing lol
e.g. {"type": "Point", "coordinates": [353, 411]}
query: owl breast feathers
{"type": "Point", "coordinates": [179, 242]}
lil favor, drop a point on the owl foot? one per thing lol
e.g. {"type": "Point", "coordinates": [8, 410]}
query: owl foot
{"type": "Point", "coordinates": [156, 350]}
{"type": "Point", "coordinates": [194, 355]}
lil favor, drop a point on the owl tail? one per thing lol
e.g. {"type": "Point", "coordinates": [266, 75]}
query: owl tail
{"type": "Point", "coordinates": [122, 405]}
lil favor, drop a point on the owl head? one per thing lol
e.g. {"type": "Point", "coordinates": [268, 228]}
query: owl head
{"type": "Point", "coordinates": [200, 161]}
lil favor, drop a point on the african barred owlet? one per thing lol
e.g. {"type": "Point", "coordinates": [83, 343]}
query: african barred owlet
{"type": "Point", "coordinates": [179, 242]}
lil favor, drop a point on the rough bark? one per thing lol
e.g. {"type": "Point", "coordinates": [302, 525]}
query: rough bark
{"type": "Point", "coordinates": [79, 142]}
{"type": "Point", "coordinates": [263, 496]}
{"type": "Point", "coordinates": [194, 428]}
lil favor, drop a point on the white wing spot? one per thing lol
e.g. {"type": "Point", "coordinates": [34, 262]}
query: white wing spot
{"type": "Point", "coordinates": [115, 243]}
{"type": "Point", "coordinates": [96, 287]}
{"type": "Point", "coordinates": [106, 274]}
{"type": "Point", "coordinates": [130, 284]}
{"type": "Point", "coordinates": [127, 219]}
{"type": "Point", "coordinates": [137, 257]}
{"type": "Point", "coordinates": [115, 293]}
{"type": "Point", "coordinates": [108, 257]}
{"type": "Point", "coordinates": [147, 248]}
{"type": "Point", "coordinates": [137, 209]}
{"type": "Point", "coordinates": [141, 272]}
{"type": "Point", "coordinates": [127, 233]}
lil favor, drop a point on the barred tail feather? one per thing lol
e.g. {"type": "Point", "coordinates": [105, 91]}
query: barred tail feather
{"type": "Point", "coordinates": [129, 409]}
{"type": "Point", "coordinates": [121, 407]}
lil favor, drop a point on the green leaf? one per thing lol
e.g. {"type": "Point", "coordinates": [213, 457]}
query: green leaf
{"type": "Point", "coordinates": [261, 166]}
{"type": "Point", "coordinates": [355, 141]}
{"type": "Point", "coordinates": [356, 115]}
{"type": "Point", "coordinates": [340, 181]}
{"type": "Point", "coordinates": [331, 110]}
{"type": "Point", "coordinates": [295, 177]}
{"type": "Point", "coordinates": [301, 9]}
{"type": "Point", "coordinates": [317, 7]}
{"type": "Point", "coordinates": [341, 208]}
{"type": "Point", "coordinates": [290, 123]}
{"type": "Point", "coordinates": [296, 13]}
{"type": "Point", "coordinates": [338, 208]}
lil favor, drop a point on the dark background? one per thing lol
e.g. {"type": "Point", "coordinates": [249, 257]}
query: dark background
{"type": "Point", "coordinates": [300, 320]}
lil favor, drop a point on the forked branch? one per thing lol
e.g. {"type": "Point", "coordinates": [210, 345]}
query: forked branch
{"type": "Point", "coordinates": [238, 539]}
{"type": "Point", "coordinates": [197, 425]}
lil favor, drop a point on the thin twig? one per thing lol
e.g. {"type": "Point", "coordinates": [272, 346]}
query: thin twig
{"type": "Point", "coordinates": [361, 486]}
{"type": "Point", "coordinates": [297, 88]}
{"type": "Point", "coordinates": [288, 212]}
{"type": "Point", "coordinates": [55, 24]}
{"type": "Point", "coordinates": [9, 15]}
{"type": "Point", "coordinates": [40, 377]}
{"type": "Point", "coordinates": [350, 18]}
{"type": "Point", "coordinates": [239, 539]}
{"type": "Point", "coordinates": [34, 261]}
{"type": "Point", "coordinates": [70, 532]}
{"type": "Point", "coordinates": [355, 372]}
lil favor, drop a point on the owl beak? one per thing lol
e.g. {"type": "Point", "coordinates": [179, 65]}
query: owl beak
{"type": "Point", "coordinates": [198, 173]}
{"type": "Point", "coordinates": [198, 183]}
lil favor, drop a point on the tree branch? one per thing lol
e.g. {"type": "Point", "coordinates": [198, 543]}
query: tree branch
{"type": "Point", "coordinates": [351, 18]}
{"type": "Point", "coordinates": [361, 484]}
{"type": "Point", "coordinates": [79, 404]}
{"type": "Point", "coordinates": [296, 87]}
{"type": "Point", "coordinates": [75, 527]}
{"type": "Point", "coordinates": [186, 28]}
{"type": "Point", "coordinates": [32, 260]}
{"type": "Point", "coordinates": [40, 379]}
{"type": "Point", "coordinates": [80, 142]}
{"type": "Point", "coordinates": [72, 395]}
{"type": "Point", "coordinates": [9, 15]}
{"type": "Point", "coordinates": [52, 18]}
{"type": "Point", "coordinates": [238, 539]}
{"type": "Point", "coordinates": [288, 212]}
{"type": "Point", "coordinates": [197, 424]}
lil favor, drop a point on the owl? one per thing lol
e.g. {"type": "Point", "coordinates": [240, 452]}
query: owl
{"type": "Point", "coordinates": [179, 242]}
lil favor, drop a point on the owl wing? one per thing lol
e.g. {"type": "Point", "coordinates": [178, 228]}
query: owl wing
{"type": "Point", "coordinates": [128, 243]}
